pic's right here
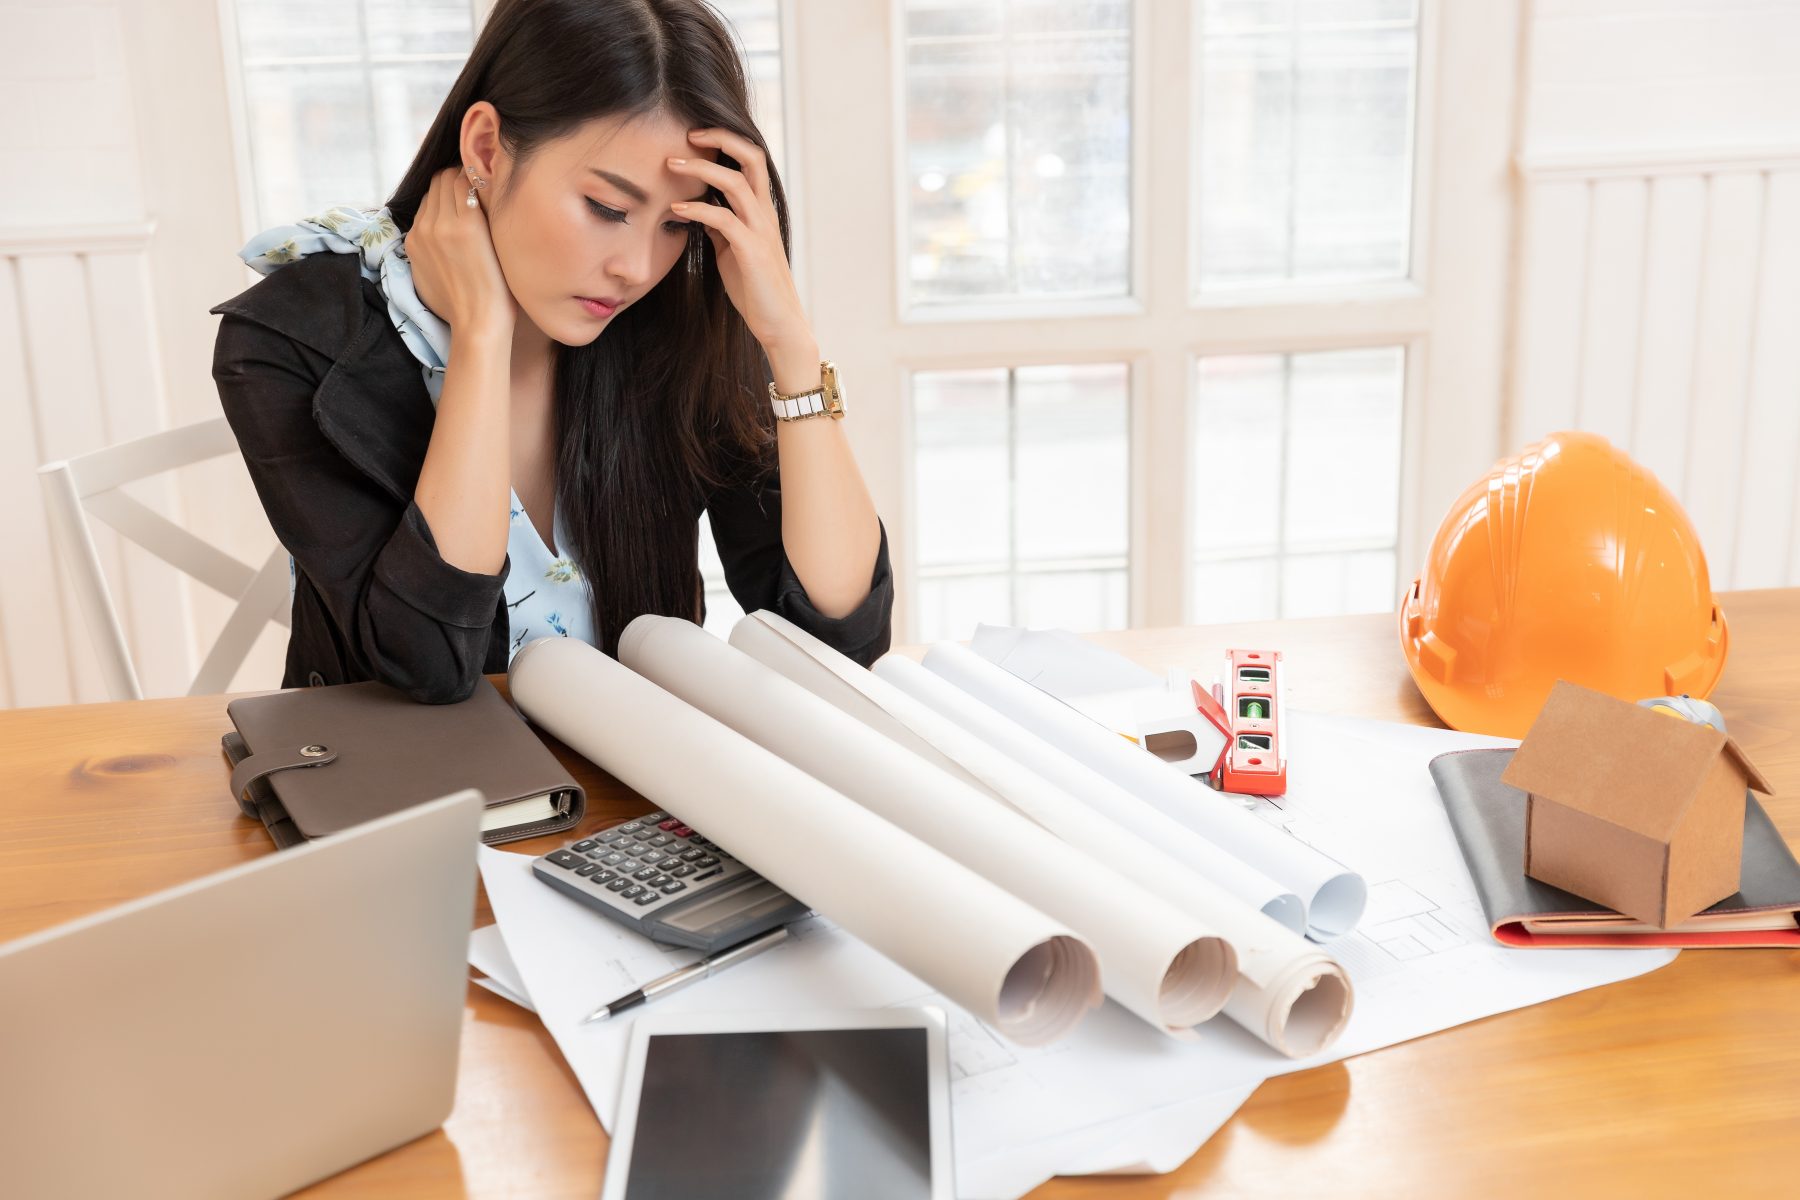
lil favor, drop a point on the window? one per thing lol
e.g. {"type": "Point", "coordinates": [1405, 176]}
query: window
{"type": "Point", "coordinates": [339, 94]}
{"type": "Point", "coordinates": [1296, 484]}
{"type": "Point", "coordinates": [1022, 482]}
{"type": "Point", "coordinates": [1303, 147]}
{"type": "Point", "coordinates": [1017, 149]}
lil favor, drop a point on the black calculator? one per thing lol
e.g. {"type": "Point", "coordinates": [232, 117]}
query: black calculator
{"type": "Point", "coordinates": [665, 880]}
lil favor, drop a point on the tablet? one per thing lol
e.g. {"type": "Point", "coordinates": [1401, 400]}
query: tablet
{"type": "Point", "coordinates": [804, 1104]}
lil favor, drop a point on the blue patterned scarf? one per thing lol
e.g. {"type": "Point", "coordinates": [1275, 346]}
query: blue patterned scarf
{"type": "Point", "coordinates": [371, 233]}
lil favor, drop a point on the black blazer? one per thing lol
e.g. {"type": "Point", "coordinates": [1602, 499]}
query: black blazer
{"type": "Point", "coordinates": [332, 415]}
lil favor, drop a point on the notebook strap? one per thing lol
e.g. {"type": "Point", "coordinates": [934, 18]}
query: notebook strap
{"type": "Point", "coordinates": [266, 762]}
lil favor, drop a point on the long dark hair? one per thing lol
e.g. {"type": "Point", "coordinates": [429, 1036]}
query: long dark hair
{"type": "Point", "coordinates": [664, 405]}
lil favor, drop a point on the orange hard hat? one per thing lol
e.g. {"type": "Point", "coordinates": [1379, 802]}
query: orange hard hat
{"type": "Point", "coordinates": [1568, 561]}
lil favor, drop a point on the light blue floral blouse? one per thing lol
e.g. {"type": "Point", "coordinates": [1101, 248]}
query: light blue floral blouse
{"type": "Point", "coordinates": [545, 593]}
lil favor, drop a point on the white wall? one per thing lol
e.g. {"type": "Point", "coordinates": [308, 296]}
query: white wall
{"type": "Point", "coordinates": [1658, 287]}
{"type": "Point", "coordinates": [118, 216]}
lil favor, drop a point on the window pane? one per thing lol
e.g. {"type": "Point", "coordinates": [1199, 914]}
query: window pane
{"type": "Point", "coordinates": [1234, 590]}
{"type": "Point", "coordinates": [311, 140]}
{"type": "Point", "coordinates": [1237, 455]}
{"type": "Point", "coordinates": [961, 470]}
{"type": "Point", "coordinates": [1071, 600]}
{"type": "Point", "coordinates": [950, 608]}
{"type": "Point", "coordinates": [1324, 585]}
{"type": "Point", "coordinates": [407, 97]}
{"type": "Point", "coordinates": [1073, 461]}
{"type": "Point", "coordinates": [340, 92]}
{"type": "Point", "coordinates": [757, 24]}
{"type": "Point", "coordinates": [416, 27]}
{"type": "Point", "coordinates": [722, 610]}
{"type": "Point", "coordinates": [1343, 478]}
{"type": "Point", "coordinates": [1021, 484]}
{"type": "Point", "coordinates": [1305, 140]}
{"type": "Point", "coordinates": [275, 29]}
{"type": "Point", "coordinates": [1296, 462]}
{"type": "Point", "coordinates": [1018, 149]}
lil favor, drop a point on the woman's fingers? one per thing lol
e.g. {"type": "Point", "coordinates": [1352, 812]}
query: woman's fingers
{"type": "Point", "coordinates": [734, 185]}
{"type": "Point", "coordinates": [715, 217]}
{"type": "Point", "coordinates": [747, 153]}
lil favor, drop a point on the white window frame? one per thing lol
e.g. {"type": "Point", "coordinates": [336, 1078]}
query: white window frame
{"type": "Point", "coordinates": [1455, 289]}
{"type": "Point", "coordinates": [845, 145]}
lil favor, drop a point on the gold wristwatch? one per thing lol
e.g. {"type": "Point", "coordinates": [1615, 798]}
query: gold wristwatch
{"type": "Point", "coordinates": [825, 400]}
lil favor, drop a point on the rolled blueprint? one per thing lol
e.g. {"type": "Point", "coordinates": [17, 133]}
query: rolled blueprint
{"type": "Point", "coordinates": [1024, 974]}
{"type": "Point", "coordinates": [1334, 895]}
{"type": "Point", "coordinates": [1162, 833]}
{"type": "Point", "coordinates": [1162, 963]}
{"type": "Point", "coordinates": [1289, 992]}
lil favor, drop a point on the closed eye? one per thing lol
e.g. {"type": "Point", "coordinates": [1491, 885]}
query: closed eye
{"type": "Point", "coordinates": [613, 214]}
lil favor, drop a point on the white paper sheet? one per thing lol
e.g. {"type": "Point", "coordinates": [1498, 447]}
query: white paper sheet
{"type": "Point", "coordinates": [1153, 1142]}
{"type": "Point", "coordinates": [1111, 690]}
{"type": "Point", "coordinates": [1289, 992]}
{"type": "Point", "coordinates": [1421, 961]}
{"type": "Point", "coordinates": [490, 984]}
{"type": "Point", "coordinates": [571, 960]}
{"type": "Point", "coordinates": [487, 954]}
{"type": "Point", "coordinates": [1164, 963]}
{"type": "Point", "coordinates": [1025, 974]}
{"type": "Point", "coordinates": [1333, 894]}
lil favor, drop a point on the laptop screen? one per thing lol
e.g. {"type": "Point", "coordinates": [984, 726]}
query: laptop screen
{"type": "Point", "coordinates": [767, 1115]}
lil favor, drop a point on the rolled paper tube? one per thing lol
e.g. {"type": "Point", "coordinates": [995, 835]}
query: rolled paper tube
{"type": "Point", "coordinates": [1334, 895]}
{"type": "Point", "coordinates": [1027, 976]}
{"type": "Point", "coordinates": [1290, 993]}
{"type": "Point", "coordinates": [1148, 826]}
{"type": "Point", "coordinates": [1163, 964]}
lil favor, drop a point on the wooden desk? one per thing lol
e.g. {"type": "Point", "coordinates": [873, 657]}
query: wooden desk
{"type": "Point", "coordinates": [1683, 1082]}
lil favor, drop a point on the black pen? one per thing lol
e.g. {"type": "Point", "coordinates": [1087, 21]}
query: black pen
{"type": "Point", "coordinates": [674, 981]}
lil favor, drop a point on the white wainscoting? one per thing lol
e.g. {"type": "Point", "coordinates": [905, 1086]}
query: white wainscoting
{"type": "Point", "coordinates": [1658, 303]}
{"type": "Point", "coordinates": [78, 371]}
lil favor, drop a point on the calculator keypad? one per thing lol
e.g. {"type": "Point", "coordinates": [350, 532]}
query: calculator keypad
{"type": "Point", "coordinates": [636, 865]}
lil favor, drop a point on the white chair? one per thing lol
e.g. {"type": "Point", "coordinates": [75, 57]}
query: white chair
{"type": "Point", "coordinates": [90, 485]}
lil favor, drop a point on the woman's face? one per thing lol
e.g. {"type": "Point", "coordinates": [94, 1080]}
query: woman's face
{"type": "Point", "coordinates": [588, 218]}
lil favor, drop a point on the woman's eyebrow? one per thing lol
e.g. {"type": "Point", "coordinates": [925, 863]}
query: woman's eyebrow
{"type": "Point", "coordinates": [629, 188]}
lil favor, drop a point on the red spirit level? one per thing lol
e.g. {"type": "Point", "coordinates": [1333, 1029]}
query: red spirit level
{"type": "Point", "coordinates": [1246, 707]}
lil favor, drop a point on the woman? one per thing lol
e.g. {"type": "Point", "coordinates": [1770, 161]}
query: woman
{"type": "Point", "coordinates": [496, 409]}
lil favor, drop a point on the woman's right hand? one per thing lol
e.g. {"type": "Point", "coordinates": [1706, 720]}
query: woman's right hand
{"type": "Point", "coordinates": [455, 270]}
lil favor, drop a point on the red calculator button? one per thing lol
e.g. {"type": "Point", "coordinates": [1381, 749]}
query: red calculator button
{"type": "Point", "coordinates": [682, 831]}
{"type": "Point", "coordinates": [671, 823]}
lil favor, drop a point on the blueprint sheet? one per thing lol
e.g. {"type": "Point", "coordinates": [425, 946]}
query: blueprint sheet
{"type": "Point", "coordinates": [1115, 1094]}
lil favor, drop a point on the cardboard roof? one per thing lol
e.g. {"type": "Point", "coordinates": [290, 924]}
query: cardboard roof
{"type": "Point", "coordinates": [1619, 761]}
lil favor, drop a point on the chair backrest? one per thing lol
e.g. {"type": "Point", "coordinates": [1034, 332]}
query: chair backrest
{"type": "Point", "coordinates": [90, 485]}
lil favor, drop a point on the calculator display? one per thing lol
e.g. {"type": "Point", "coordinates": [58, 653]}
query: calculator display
{"type": "Point", "coordinates": [768, 1115]}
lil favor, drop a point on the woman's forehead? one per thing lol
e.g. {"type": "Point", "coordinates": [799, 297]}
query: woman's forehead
{"type": "Point", "coordinates": [644, 139]}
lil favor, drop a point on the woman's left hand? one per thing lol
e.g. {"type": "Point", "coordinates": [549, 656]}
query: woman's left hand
{"type": "Point", "coordinates": [746, 237]}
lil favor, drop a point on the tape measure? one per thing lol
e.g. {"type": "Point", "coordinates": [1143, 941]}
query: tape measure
{"type": "Point", "coordinates": [1687, 709]}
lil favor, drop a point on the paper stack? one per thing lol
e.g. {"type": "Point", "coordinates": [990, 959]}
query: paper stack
{"type": "Point", "coordinates": [968, 842]}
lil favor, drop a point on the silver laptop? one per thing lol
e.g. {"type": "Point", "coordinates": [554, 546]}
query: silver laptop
{"type": "Point", "coordinates": [250, 1032]}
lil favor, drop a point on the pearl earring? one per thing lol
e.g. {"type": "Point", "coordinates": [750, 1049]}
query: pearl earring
{"type": "Point", "coordinates": [479, 183]}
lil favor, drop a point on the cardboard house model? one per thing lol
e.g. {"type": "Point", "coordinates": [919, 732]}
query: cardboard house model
{"type": "Point", "coordinates": [1630, 808]}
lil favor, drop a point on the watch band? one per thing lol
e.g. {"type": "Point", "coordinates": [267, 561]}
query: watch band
{"type": "Point", "coordinates": [793, 408]}
{"type": "Point", "coordinates": [825, 400]}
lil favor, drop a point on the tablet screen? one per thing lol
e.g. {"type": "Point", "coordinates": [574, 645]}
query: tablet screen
{"type": "Point", "coordinates": [812, 1112]}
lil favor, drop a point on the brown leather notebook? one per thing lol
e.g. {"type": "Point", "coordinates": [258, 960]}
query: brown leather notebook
{"type": "Point", "coordinates": [312, 761]}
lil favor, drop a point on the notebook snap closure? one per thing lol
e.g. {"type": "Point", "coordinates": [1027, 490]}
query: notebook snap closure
{"type": "Point", "coordinates": [314, 751]}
